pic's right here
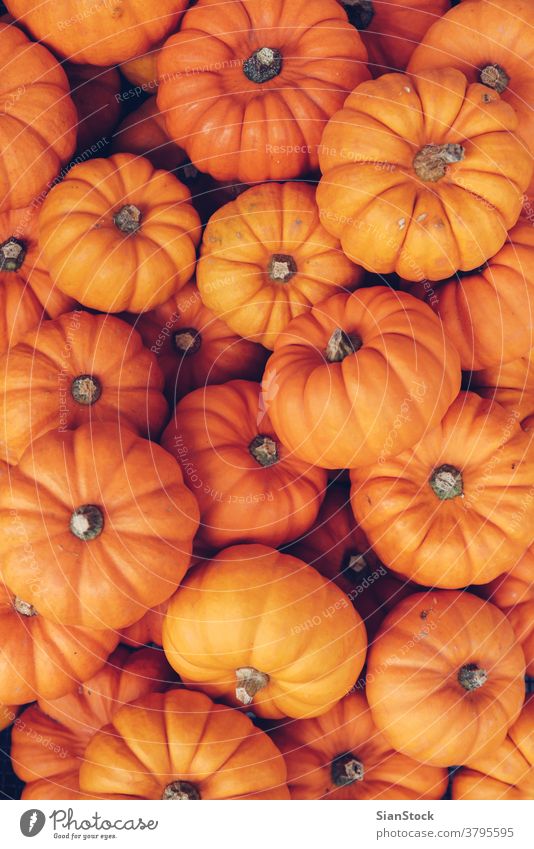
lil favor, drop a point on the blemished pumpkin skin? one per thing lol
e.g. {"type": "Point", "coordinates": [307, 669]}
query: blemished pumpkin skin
{"type": "Point", "coordinates": [38, 119]}
{"type": "Point", "coordinates": [95, 94]}
{"type": "Point", "coordinates": [79, 368]}
{"type": "Point", "coordinates": [67, 724]}
{"type": "Point", "coordinates": [445, 677]}
{"type": "Point", "coordinates": [422, 175]}
{"type": "Point", "coordinates": [110, 524]}
{"type": "Point", "coordinates": [40, 658]}
{"type": "Point", "coordinates": [194, 348]}
{"type": "Point", "coordinates": [360, 377]}
{"type": "Point", "coordinates": [513, 593]}
{"type": "Point", "coordinates": [341, 755]}
{"type": "Point", "coordinates": [507, 772]}
{"type": "Point", "coordinates": [266, 258]}
{"type": "Point", "coordinates": [194, 749]}
{"type": "Point", "coordinates": [264, 630]}
{"type": "Point", "coordinates": [455, 509]}
{"type": "Point", "coordinates": [97, 33]}
{"type": "Point", "coordinates": [501, 56]}
{"type": "Point", "coordinates": [247, 87]}
{"type": "Point", "coordinates": [118, 234]}
{"type": "Point", "coordinates": [143, 133]}
{"type": "Point", "coordinates": [248, 486]}
{"type": "Point", "coordinates": [510, 384]}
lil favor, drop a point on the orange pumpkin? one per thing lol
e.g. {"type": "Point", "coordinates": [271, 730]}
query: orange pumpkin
{"type": "Point", "coordinates": [193, 749]}
{"type": "Point", "coordinates": [95, 92]}
{"type": "Point", "coordinates": [118, 234]}
{"type": "Point", "coordinates": [513, 593]}
{"type": "Point", "coordinates": [108, 520]}
{"type": "Point", "coordinates": [264, 629]}
{"type": "Point", "coordinates": [248, 486]}
{"type": "Point", "coordinates": [447, 513]}
{"type": "Point", "coordinates": [148, 629]}
{"type": "Point", "coordinates": [78, 368]}
{"type": "Point", "coordinates": [143, 70]}
{"type": "Point", "coordinates": [143, 133]}
{"type": "Point", "coordinates": [8, 714]}
{"type": "Point", "coordinates": [67, 724]}
{"type": "Point", "coordinates": [445, 677]}
{"type": "Point", "coordinates": [266, 258]}
{"type": "Point", "coordinates": [247, 87]}
{"type": "Point", "coordinates": [359, 378]}
{"type": "Point", "coordinates": [342, 755]}
{"type": "Point", "coordinates": [38, 119]}
{"type": "Point", "coordinates": [505, 772]}
{"type": "Point", "coordinates": [422, 175]}
{"type": "Point", "coordinates": [194, 348]}
{"type": "Point", "coordinates": [511, 384]}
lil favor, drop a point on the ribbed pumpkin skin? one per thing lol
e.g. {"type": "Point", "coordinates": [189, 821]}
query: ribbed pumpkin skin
{"type": "Point", "coordinates": [236, 277]}
{"type": "Point", "coordinates": [513, 593]}
{"type": "Point", "coordinates": [148, 629]}
{"type": "Point", "coordinates": [95, 94]}
{"type": "Point", "coordinates": [8, 714]}
{"type": "Point", "coordinates": [68, 723]}
{"type": "Point", "coordinates": [390, 211]}
{"type": "Point", "coordinates": [240, 499]}
{"type": "Point", "coordinates": [36, 393]}
{"type": "Point", "coordinates": [310, 746]}
{"type": "Point", "coordinates": [507, 772]}
{"type": "Point", "coordinates": [413, 688]}
{"type": "Point", "coordinates": [143, 133]}
{"type": "Point", "coordinates": [143, 549]}
{"type": "Point", "coordinates": [38, 119]}
{"type": "Point", "coordinates": [511, 384]}
{"type": "Point", "coordinates": [254, 607]}
{"type": "Point", "coordinates": [467, 539]}
{"type": "Point", "coordinates": [237, 129]}
{"type": "Point", "coordinates": [186, 737]}
{"type": "Point", "coordinates": [346, 414]}
{"type": "Point", "coordinates": [143, 70]}
{"type": "Point", "coordinates": [89, 257]}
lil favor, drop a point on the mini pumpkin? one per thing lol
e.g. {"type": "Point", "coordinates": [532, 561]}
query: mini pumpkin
{"type": "Point", "coordinates": [143, 70]}
{"type": "Point", "coordinates": [109, 522]}
{"type": "Point", "coordinates": [511, 384]}
{"type": "Point", "coordinates": [513, 593]}
{"type": "Point", "coordinates": [265, 630]}
{"type": "Point", "coordinates": [143, 133]}
{"type": "Point", "coordinates": [266, 258]}
{"type": "Point", "coordinates": [445, 677]}
{"type": "Point", "coordinates": [359, 378]}
{"type": "Point", "coordinates": [422, 175]}
{"type": "Point", "coordinates": [96, 95]}
{"type": "Point", "coordinates": [119, 235]}
{"type": "Point", "coordinates": [8, 714]}
{"type": "Point", "coordinates": [148, 629]}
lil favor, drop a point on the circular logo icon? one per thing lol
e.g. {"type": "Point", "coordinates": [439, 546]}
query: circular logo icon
{"type": "Point", "coordinates": [32, 822]}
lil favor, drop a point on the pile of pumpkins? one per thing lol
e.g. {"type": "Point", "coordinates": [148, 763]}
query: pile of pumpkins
{"type": "Point", "coordinates": [267, 398]}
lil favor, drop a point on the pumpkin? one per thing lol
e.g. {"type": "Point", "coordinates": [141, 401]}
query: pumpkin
{"type": "Point", "coordinates": [266, 258]}
{"type": "Point", "coordinates": [148, 629]}
{"type": "Point", "coordinates": [8, 714]}
{"type": "Point", "coordinates": [422, 175]}
{"type": "Point", "coordinates": [247, 87]}
{"type": "Point", "coordinates": [513, 593]}
{"type": "Point", "coordinates": [143, 133]}
{"type": "Point", "coordinates": [38, 119]}
{"type": "Point", "coordinates": [96, 95]}
{"type": "Point", "coordinates": [100, 33]}
{"type": "Point", "coordinates": [78, 368]}
{"type": "Point", "coordinates": [511, 384]}
{"type": "Point", "coordinates": [108, 520]}
{"type": "Point", "coordinates": [501, 57]}
{"type": "Point", "coordinates": [445, 677]}
{"type": "Point", "coordinates": [342, 755]}
{"type": "Point", "coordinates": [194, 348]}
{"type": "Point", "coordinates": [68, 723]}
{"type": "Point", "coordinates": [192, 749]}
{"type": "Point", "coordinates": [506, 772]}
{"type": "Point", "coordinates": [391, 29]}
{"type": "Point", "coordinates": [454, 509]}
{"type": "Point", "coordinates": [359, 378]}
{"type": "Point", "coordinates": [248, 486]}
{"type": "Point", "coordinates": [41, 658]}
{"type": "Point", "coordinates": [143, 70]}
{"type": "Point", "coordinates": [118, 234]}
{"type": "Point", "coordinates": [265, 630]}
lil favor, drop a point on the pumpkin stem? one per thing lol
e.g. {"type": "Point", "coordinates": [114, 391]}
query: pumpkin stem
{"type": "Point", "coordinates": [359, 12]}
{"type": "Point", "coordinates": [431, 162]}
{"type": "Point", "coordinates": [471, 676]}
{"type": "Point", "coordinates": [341, 345]}
{"type": "Point", "coordinates": [12, 253]}
{"type": "Point", "coordinates": [128, 219]}
{"type": "Point", "coordinates": [86, 389]}
{"type": "Point", "coordinates": [346, 769]}
{"type": "Point", "coordinates": [447, 482]}
{"type": "Point", "coordinates": [187, 341]}
{"type": "Point", "coordinates": [249, 682]}
{"type": "Point", "coordinates": [265, 64]}
{"type": "Point", "coordinates": [264, 450]}
{"type": "Point", "coordinates": [24, 607]}
{"type": "Point", "coordinates": [495, 77]}
{"type": "Point", "coordinates": [356, 563]}
{"type": "Point", "coordinates": [87, 522]}
{"type": "Point", "coordinates": [180, 790]}
{"type": "Point", "coordinates": [282, 267]}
